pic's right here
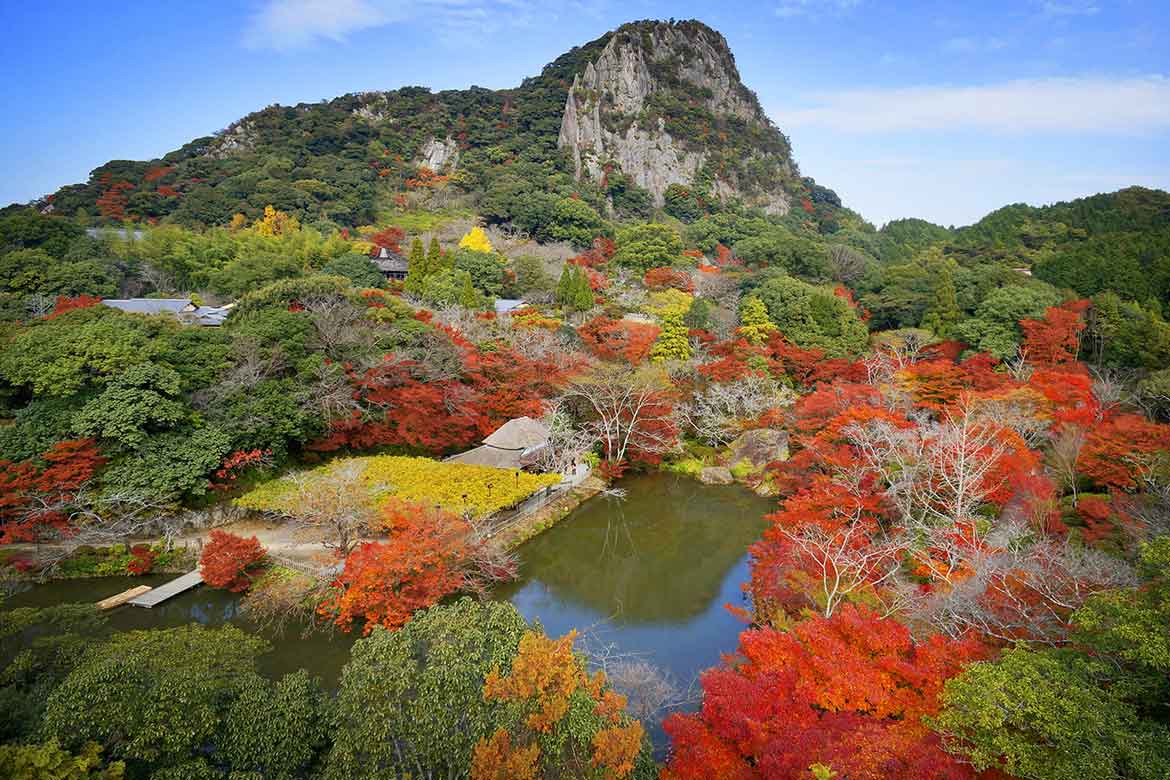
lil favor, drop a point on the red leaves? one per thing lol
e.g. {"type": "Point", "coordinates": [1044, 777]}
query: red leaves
{"type": "Point", "coordinates": [112, 203]}
{"type": "Point", "coordinates": [619, 339]}
{"type": "Point", "coordinates": [600, 253]}
{"type": "Point", "coordinates": [385, 583]}
{"type": "Point", "coordinates": [35, 499]}
{"type": "Point", "coordinates": [1056, 339]}
{"type": "Point", "coordinates": [1120, 450]}
{"type": "Point", "coordinates": [849, 692]}
{"type": "Point", "coordinates": [389, 239]}
{"type": "Point", "coordinates": [402, 408]}
{"type": "Point", "coordinates": [65, 303]}
{"type": "Point", "coordinates": [231, 562]}
{"type": "Point", "coordinates": [142, 560]}
{"type": "Point", "coordinates": [666, 278]}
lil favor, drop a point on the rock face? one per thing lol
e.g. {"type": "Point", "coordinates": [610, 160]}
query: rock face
{"type": "Point", "coordinates": [758, 448]}
{"type": "Point", "coordinates": [440, 156]}
{"type": "Point", "coordinates": [716, 475]}
{"type": "Point", "coordinates": [653, 77]}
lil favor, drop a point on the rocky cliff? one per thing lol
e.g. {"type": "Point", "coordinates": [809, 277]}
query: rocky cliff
{"type": "Point", "coordinates": [663, 102]}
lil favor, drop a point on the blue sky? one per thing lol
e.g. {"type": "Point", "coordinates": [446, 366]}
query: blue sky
{"type": "Point", "coordinates": [942, 110]}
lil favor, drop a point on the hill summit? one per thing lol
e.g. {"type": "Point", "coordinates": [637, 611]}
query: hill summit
{"type": "Point", "coordinates": [651, 113]}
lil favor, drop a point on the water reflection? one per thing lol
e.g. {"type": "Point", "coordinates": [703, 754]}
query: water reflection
{"type": "Point", "coordinates": [649, 574]}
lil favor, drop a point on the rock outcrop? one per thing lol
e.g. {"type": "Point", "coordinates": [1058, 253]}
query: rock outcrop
{"type": "Point", "coordinates": [757, 448]}
{"type": "Point", "coordinates": [660, 103]}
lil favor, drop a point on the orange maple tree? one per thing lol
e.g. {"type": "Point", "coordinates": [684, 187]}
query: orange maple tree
{"type": "Point", "coordinates": [545, 682]}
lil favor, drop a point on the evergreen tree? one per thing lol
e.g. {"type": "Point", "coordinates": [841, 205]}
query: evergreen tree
{"type": "Point", "coordinates": [417, 268]}
{"type": "Point", "coordinates": [582, 291]}
{"type": "Point", "coordinates": [943, 312]}
{"type": "Point", "coordinates": [435, 256]}
{"type": "Point", "coordinates": [672, 342]}
{"type": "Point", "coordinates": [699, 315]}
{"type": "Point", "coordinates": [469, 297]}
{"type": "Point", "coordinates": [564, 294]}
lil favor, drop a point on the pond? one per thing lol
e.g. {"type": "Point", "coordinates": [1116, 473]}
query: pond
{"type": "Point", "coordinates": [647, 575]}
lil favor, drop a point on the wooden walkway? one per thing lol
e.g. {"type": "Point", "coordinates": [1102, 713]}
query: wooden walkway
{"type": "Point", "coordinates": [173, 588]}
{"type": "Point", "coordinates": [121, 598]}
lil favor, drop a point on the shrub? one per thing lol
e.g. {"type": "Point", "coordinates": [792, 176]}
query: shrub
{"type": "Point", "coordinates": [231, 562]}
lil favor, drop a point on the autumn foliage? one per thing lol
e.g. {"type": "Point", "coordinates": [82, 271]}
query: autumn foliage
{"type": "Point", "coordinates": [619, 339]}
{"type": "Point", "coordinates": [545, 684]}
{"type": "Point", "coordinates": [384, 583]}
{"type": "Point", "coordinates": [849, 692]}
{"type": "Point", "coordinates": [36, 500]}
{"type": "Point", "coordinates": [231, 562]}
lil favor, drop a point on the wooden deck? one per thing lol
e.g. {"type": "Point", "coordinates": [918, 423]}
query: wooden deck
{"type": "Point", "coordinates": [163, 592]}
{"type": "Point", "coordinates": [121, 598]}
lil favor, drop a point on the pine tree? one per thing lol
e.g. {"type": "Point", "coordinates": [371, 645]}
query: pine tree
{"type": "Point", "coordinates": [943, 313]}
{"type": "Point", "coordinates": [434, 256]}
{"type": "Point", "coordinates": [582, 292]}
{"type": "Point", "coordinates": [564, 295]}
{"type": "Point", "coordinates": [417, 268]}
{"type": "Point", "coordinates": [469, 297]}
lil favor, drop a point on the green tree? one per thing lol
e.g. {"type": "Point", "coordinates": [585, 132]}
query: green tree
{"type": "Point", "coordinates": [357, 268]}
{"type": "Point", "coordinates": [995, 326]}
{"type": "Point", "coordinates": [169, 465]}
{"type": "Point", "coordinates": [531, 276]}
{"type": "Point", "coordinates": [1046, 716]}
{"type": "Point", "coordinates": [813, 317]}
{"type": "Point", "coordinates": [414, 697]}
{"type": "Point", "coordinates": [698, 316]}
{"type": "Point", "coordinates": [139, 401]}
{"type": "Point", "coordinates": [436, 260]}
{"type": "Point", "coordinates": [187, 700]}
{"type": "Point", "coordinates": [646, 246]}
{"type": "Point", "coordinates": [40, 647]}
{"type": "Point", "coordinates": [486, 270]}
{"type": "Point", "coordinates": [943, 312]}
{"type": "Point", "coordinates": [575, 221]}
{"type": "Point", "coordinates": [48, 761]}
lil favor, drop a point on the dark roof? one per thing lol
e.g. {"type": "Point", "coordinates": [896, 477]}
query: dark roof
{"type": "Point", "coordinates": [390, 262]}
{"type": "Point", "coordinates": [150, 305]}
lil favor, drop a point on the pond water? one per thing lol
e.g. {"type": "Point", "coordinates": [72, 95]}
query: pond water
{"type": "Point", "coordinates": [646, 575]}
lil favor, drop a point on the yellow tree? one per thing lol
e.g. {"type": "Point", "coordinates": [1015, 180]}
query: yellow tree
{"type": "Point", "coordinates": [276, 223]}
{"type": "Point", "coordinates": [476, 240]}
{"type": "Point", "coordinates": [754, 324]}
{"type": "Point", "coordinates": [562, 719]}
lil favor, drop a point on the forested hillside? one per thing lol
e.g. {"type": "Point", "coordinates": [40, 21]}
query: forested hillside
{"type": "Point", "coordinates": [292, 324]}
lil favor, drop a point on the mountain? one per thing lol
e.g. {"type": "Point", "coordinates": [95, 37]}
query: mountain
{"type": "Point", "coordinates": [651, 115]}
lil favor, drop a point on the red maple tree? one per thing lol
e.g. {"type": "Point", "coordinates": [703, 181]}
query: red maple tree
{"type": "Point", "coordinates": [231, 562]}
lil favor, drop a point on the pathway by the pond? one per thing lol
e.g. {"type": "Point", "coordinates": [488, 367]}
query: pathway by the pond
{"type": "Point", "coordinates": [647, 575]}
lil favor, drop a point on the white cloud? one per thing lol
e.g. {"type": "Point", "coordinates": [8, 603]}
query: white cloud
{"type": "Point", "coordinates": [970, 45]}
{"type": "Point", "coordinates": [292, 24]}
{"type": "Point", "coordinates": [790, 8]}
{"type": "Point", "coordinates": [1068, 7]}
{"type": "Point", "coordinates": [1132, 105]}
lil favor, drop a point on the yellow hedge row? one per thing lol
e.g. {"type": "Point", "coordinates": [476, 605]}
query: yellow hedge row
{"type": "Point", "coordinates": [457, 487]}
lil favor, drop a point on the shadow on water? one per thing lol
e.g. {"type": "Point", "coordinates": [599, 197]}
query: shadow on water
{"type": "Point", "coordinates": [646, 576]}
{"type": "Point", "coordinates": [322, 654]}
